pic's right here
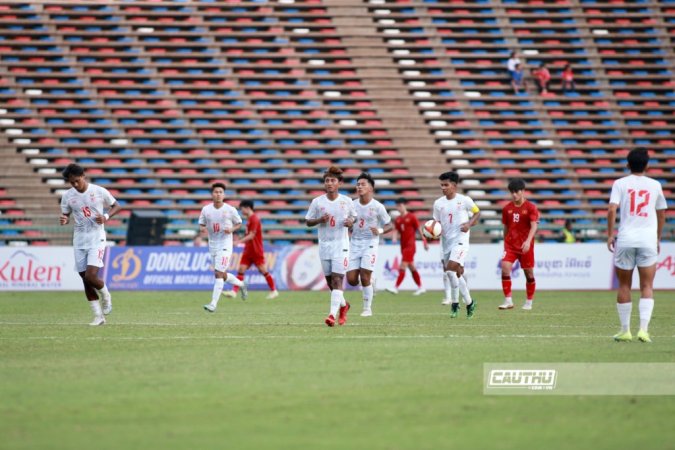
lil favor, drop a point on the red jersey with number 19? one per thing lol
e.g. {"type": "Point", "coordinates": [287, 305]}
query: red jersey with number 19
{"type": "Point", "coordinates": [518, 222]}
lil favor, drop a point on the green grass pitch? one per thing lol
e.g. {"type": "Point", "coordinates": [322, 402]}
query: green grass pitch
{"type": "Point", "coordinates": [164, 374]}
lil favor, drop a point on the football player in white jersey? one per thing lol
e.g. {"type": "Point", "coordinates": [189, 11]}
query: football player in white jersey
{"type": "Point", "coordinates": [642, 208]}
{"type": "Point", "coordinates": [456, 213]}
{"type": "Point", "coordinates": [334, 214]}
{"type": "Point", "coordinates": [218, 221]}
{"type": "Point", "coordinates": [372, 220]}
{"type": "Point", "coordinates": [91, 207]}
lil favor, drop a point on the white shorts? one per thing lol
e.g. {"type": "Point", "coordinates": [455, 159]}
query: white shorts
{"type": "Point", "coordinates": [458, 254]}
{"type": "Point", "coordinates": [362, 255]}
{"type": "Point", "coordinates": [335, 265]}
{"type": "Point", "coordinates": [220, 259]}
{"type": "Point", "coordinates": [629, 257]}
{"type": "Point", "coordinates": [89, 257]}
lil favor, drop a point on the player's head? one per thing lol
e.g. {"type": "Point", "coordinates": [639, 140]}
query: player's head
{"type": "Point", "coordinates": [332, 179]}
{"type": "Point", "coordinates": [449, 181]}
{"type": "Point", "coordinates": [246, 207]}
{"type": "Point", "coordinates": [400, 205]}
{"type": "Point", "coordinates": [517, 189]}
{"type": "Point", "coordinates": [365, 184]}
{"type": "Point", "coordinates": [638, 158]}
{"type": "Point", "coordinates": [218, 192]}
{"type": "Point", "coordinates": [74, 174]}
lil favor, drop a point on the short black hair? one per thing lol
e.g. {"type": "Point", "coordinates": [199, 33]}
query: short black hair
{"type": "Point", "coordinates": [638, 158]}
{"type": "Point", "coordinates": [451, 176]}
{"type": "Point", "coordinates": [218, 185]}
{"type": "Point", "coordinates": [246, 204]}
{"type": "Point", "coordinates": [400, 201]}
{"type": "Point", "coordinates": [516, 184]}
{"type": "Point", "coordinates": [72, 170]}
{"type": "Point", "coordinates": [366, 176]}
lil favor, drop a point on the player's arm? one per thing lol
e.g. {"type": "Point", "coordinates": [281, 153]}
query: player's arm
{"type": "Point", "coordinates": [381, 230]}
{"type": "Point", "coordinates": [203, 232]}
{"type": "Point", "coordinates": [530, 236]}
{"type": "Point", "coordinates": [611, 218]}
{"type": "Point", "coordinates": [114, 209]}
{"type": "Point", "coordinates": [64, 218]}
{"type": "Point", "coordinates": [424, 239]}
{"type": "Point", "coordinates": [660, 222]}
{"type": "Point", "coordinates": [314, 222]}
{"type": "Point", "coordinates": [473, 220]}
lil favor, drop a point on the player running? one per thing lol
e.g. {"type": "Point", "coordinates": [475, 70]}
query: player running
{"type": "Point", "coordinates": [456, 213]}
{"type": "Point", "coordinates": [334, 214]}
{"type": "Point", "coordinates": [372, 220]}
{"type": "Point", "coordinates": [642, 207]}
{"type": "Point", "coordinates": [406, 226]}
{"type": "Point", "coordinates": [87, 202]}
{"type": "Point", "coordinates": [520, 218]}
{"type": "Point", "coordinates": [219, 220]}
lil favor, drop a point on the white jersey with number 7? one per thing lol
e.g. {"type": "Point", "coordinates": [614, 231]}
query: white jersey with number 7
{"type": "Point", "coordinates": [638, 197]}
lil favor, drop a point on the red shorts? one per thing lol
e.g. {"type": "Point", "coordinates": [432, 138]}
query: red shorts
{"type": "Point", "coordinates": [249, 259]}
{"type": "Point", "coordinates": [526, 259]}
{"type": "Point", "coordinates": [408, 254]}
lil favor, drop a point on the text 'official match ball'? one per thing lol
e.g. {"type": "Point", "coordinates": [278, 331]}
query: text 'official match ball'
{"type": "Point", "coordinates": [432, 229]}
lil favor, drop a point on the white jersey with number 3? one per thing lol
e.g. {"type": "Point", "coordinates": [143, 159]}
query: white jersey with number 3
{"type": "Point", "coordinates": [372, 215]}
{"type": "Point", "coordinates": [85, 207]}
{"type": "Point", "coordinates": [216, 222]}
{"type": "Point", "coordinates": [638, 197]}
{"type": "Point", "coordinates": [333, 235]}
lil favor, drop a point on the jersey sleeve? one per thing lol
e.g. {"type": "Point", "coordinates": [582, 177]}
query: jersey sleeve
{"type": "Point", "coordinates": [108, 198]}
{"type": "Point", "coordinates": [202, 218]}
{"type": "Point", "coordinates": [504, 215]}
{"type": "Point", "coordinates": [660, 199]}
{"type": "Point", "coordinates": [236, 218]}
{"type": "Point", "coordinates": [534, 213]}
{"type": "Point", "coordinates": [471, 206]}
{"type": "Point", "coordinates": [383, 215]}
{"type": "Point", "coordinates": [352, 209]}
{"type": "Point", "coordinates": [65, 207]}
{"type": "Point", "coordinates": [615, 196]}
{"type": "Point", "coordinates": [416, 221]}
{"type": "Point", "coordinates": [254, 224]}
{"type": "Point", "coordinates": [436, 213]}
{"type": "Point", "coordinates": [313, 211]}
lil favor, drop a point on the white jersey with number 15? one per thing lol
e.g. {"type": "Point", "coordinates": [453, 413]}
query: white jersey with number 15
{"type": "Point", "coordinates": [638, 197]}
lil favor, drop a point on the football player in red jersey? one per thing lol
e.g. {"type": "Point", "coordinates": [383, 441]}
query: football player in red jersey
{"type": "Point", "coordinates": [407, 226]}
{"type": "Point", "coordinates": [253, 253]}
{"type": "Point", "coordinates": [520, 218]}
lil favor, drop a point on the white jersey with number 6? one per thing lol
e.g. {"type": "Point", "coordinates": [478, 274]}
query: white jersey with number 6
{"type": "Point", "coordinates": [333, 235]}
{"type": "Point", "coordinates": [85, 207]}
{"type": "Point", "coordinates": [638, 197]}
{"type": "Point", "coordinates": [218, 220]}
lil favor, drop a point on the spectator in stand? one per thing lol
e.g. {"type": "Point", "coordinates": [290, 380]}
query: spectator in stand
{"type": "Point", "coordinates": [568, 236]}
{"type": "Point", "coordinates": [567, 76]}
{"type": "Point", "coordinates": [511, 64]}
{"type": "Point", "coordinates": [542, 77]}
{"type": "Point", "coordinates": [518, 80]}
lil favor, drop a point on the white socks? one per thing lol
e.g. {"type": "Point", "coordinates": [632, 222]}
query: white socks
{"type": "Point", "coordinates": [103, 292]}
{"type": "Point", "coordinates": [367, 297]}
{"type": "Point", "coordinates": [624, 310]}
{"type": "Point", "coordinates": [336, 300]}
{"type": "Point", "coordinates": [234, 280]}
{"type": "Point", "coordinates": [96, 308]}
{"type": "Point", "coordinates": [447, 286]}
{"type": "Point", "coordinates": [646, 306]}
{"type": "Point", "coordinates": [217, 290]}
{"type": "Point", "coordinates": [464, 290]}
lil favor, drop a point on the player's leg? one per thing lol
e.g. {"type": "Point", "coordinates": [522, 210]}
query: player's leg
{"type": "Point", "coordinates": [624, 264]}
{"type": "Point", "coordinates": [262, 268]}
{"type": "Point", "coordinates": [508, 259]}
{"type": "Point", "coordinates": [244, 264]}
{"type": "Point", "coordinates": [90, 289]}
{"type": "Point", "coordinates": [401, 272]}
{"type": "Point", "coordinates": [453, 268]}
{"type": "Point", "coordinates": [326, 266]}
{"type": "Point", "coordinates": [527, 263]}
{"type": "Point", "coordinates": [417, 279]}
{"type": "Point", "coordinates": [338, 283]}
{"type": "Point", "coordinates": [94, 264]}
{"type": "Point", "coordinates": [218, 283]}
{"type": "Point", "coordinates": [92, 299]}
{"type": "Point", "coordinates": [367, 265]}
{"type": "Point", "coordinates": [646, 262]}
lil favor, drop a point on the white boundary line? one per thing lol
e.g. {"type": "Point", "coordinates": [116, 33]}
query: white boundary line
{"type": "Point", "coordinates": [314, 337]}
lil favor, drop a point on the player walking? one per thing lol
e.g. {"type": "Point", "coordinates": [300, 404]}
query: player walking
{"type": "Point", "coordinates": [372, 220]}
{"type": "Point", "coordinates": [87, 203]}
{"type": "Point", "coordinates": [334, 213]}
{"type": "Point", "coordinates": [219, 220]}
{"type": "Point", "coordinates": [642, 207]}
{"type": "Point", "coordinates": [520, 218]}
{"type": "Point", "coordinates": [456, 213]}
